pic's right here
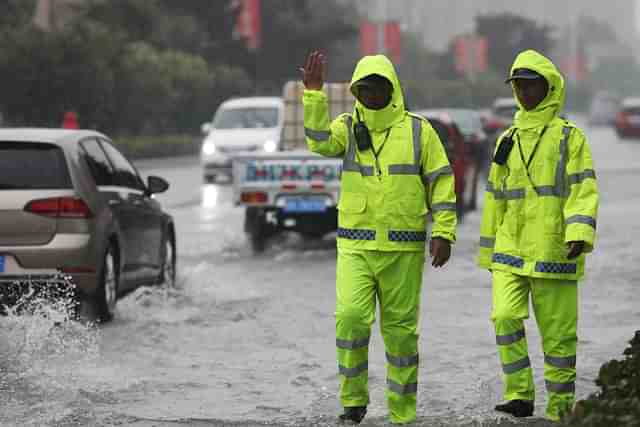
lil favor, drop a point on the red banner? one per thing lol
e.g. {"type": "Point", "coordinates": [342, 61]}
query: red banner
{"type": "Point", "coordinates": [249, 23]}
{"type": "Point", "coordinates": [368, 38]}
{"type": "Point", "coordinates": [393, 41]}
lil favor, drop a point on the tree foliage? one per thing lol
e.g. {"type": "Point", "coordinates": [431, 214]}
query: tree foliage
{"type": "Point", "coordinates": [153, 66]}
{"type": "Point", "coordinates": [508, 34]}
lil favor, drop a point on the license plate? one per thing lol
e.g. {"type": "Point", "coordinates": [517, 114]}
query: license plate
{"type": "Point", "coordinates": [1, 263]}
{"type": "Point", "coordinates": [300, 205]}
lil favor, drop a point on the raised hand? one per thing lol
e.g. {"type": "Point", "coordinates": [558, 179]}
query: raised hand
{"type": "Point", "coordinates": [314, 71]}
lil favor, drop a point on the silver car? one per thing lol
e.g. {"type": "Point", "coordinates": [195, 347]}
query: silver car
{"type": "Point", "coordinates": [72, 204]}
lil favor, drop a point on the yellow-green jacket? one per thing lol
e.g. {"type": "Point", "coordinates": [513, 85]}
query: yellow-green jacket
{"type": "Point", "coordinates": [531, 213]}
{"type": "Point", "coordinates": [384, 202]}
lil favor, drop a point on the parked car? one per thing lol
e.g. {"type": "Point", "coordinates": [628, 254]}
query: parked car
{"type": "Point", "coordinates": [240, 125]}
{"type": "Point", "coordinates": [477, 146]}
{"type": "Point", "coordinates": [603, 109]}
{"type": "Point", "coordinates": [628, 118]}
{"type": "Point", "coordinates": [72, 204]}
{"type": "Point", "coordinates": [500, 116]}
{"type": "Point", "coordinates": [453, 141]}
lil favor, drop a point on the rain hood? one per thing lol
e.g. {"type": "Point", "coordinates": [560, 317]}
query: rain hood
{"type": "Point", "coordinates": [380, 120]}
{"type": "Point", "coordinates": [552, 105]}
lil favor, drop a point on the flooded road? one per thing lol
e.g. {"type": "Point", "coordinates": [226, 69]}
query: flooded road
{"type": "Point", "coordinates": [249, 340]}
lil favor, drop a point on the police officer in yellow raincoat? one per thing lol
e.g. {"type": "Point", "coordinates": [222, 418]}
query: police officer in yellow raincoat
{"type": "Point", "coordinates": [395, 171]}
{"type": "Point", "coordinates": [538, 223]}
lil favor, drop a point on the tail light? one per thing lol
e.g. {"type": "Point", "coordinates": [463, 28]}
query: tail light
{"type": "Point", "coordinates": [622, 119]}
{"type": "Point", "coordinates": [59, 207]}
{"type": "Point", "coordinates": [253, 197]}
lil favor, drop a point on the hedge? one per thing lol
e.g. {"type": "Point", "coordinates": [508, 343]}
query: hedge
{"type": "Point", "coordinates": [618, 402]}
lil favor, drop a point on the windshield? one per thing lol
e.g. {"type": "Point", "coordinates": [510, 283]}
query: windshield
{"type": "Point", "coordinates": [246, 118]}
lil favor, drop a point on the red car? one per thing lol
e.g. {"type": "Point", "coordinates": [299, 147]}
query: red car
{"type": "Point", "coordinates": [628, 119]}
{"type": "Point", "coordinates": [456, 148]}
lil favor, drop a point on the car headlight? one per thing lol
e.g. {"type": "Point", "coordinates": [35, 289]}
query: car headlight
{"type": "Point", "coordinates": [270, 146]}
{"type": "Point", "coordinates": [208, 148]}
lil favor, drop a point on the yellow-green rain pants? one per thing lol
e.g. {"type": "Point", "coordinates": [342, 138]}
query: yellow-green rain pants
{"type": "Point", "coordinates": [395, 279]}
{"type": "Point", "coordinates": [555, 304]}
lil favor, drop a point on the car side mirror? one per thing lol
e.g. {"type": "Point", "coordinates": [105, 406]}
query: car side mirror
{"type": "Point", "coordinates": [155, 184]}
{"type": "Point", "coordinates": [206, 128]}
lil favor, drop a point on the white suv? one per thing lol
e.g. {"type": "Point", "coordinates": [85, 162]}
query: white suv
{"type": "Point", "coordinates": [240, 125]}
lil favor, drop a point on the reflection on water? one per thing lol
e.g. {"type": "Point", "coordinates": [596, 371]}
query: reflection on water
{"type": "Point", "coordinates": [210, 195]}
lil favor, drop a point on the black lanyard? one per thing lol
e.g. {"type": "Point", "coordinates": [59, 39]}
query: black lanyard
{"type": "Point", "coordinates": [533, 153]}
{"type": "Point", "coordinates": [375, 154]}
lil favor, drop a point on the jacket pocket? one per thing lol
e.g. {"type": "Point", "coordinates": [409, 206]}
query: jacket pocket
{"type": "Point", "coordinates": [352, 203]}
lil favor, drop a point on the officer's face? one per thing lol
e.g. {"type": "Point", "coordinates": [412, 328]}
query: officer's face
{"type": "Point", "coordinates": [374, 96]}
{"type": "Point", "coordinates": [530, 93]}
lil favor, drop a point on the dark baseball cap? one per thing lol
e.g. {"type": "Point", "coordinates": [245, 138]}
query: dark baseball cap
{"type": "Point", "coordinates": [524, 74]}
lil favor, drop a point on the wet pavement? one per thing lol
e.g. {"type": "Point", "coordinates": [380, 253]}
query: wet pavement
{"type": "Point", "coordinates": [249, 340]}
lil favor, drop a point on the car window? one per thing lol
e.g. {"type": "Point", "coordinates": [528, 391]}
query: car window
{"type": "Point", "coordinates": [99, 165]}
{"type": "Point", "coordinates": [125, 174]}
{"type": "Point", "coordinates": [242, 118]}
{"type": "Point", "coordinates": [32, 166]}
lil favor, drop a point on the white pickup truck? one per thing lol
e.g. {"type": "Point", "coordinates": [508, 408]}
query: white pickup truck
{"type": "Point", "coordinates": [293, 189]}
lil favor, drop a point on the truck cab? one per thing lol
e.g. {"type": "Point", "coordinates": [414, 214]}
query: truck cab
{"type": "Point", "coordinates": [240, 125]}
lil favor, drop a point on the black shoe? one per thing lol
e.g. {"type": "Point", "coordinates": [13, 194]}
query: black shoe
{"type": "Point", "coordinates": [353, 414]}
{"type": "Point", "coordinates": [517, 408]}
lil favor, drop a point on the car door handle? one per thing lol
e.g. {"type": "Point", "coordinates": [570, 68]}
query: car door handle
{"type": "Point", "coordinates": [114, 202]}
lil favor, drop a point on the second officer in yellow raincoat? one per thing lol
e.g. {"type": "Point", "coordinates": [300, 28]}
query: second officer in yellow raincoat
{"type": "Point", "coordinates": [395, 171]}
{"type": "Point", "coordinates": [538, 223]}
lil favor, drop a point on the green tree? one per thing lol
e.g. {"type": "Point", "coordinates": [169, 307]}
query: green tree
{"type": "Point", "coordinates": [508, 34]}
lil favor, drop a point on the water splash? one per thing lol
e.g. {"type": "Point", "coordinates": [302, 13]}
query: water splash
{"type": "Point", "coordinates": [45, 354]}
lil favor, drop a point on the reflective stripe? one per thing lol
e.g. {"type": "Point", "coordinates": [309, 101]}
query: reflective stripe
{"type": "Point", "coordinates": [349, 163]}
{"type": "Point", "coordinates": [402, 388]}
{"type": "Point", "coordinates": [581, 219]}
{"type": "Point", "coordinates": [445, 170]}
{"type": "Point", "coordinates": [352, 344]}
{"type": "Point", "coordinates": [317, 135]}
{"type": "Point", "coordinates": [560, 362]}
{"type": "Point", "coordinates": [407, 236]}
{"type": "Point", "coordinates": [510, 368]}
{"type": "Point", "coordinates": [510, 338]}
{"type": "Point", "coordinates": [546, 190]}
{"type": "Point", "coordinates": [560, 387]}
{"type": "Point", "coordinates": [402, 361]}
{"type": "Point", "coordinates": [560, 183]}
{"type": "Point", "coordinates": [556, 267]}
{"type": "Point", "coordinates": [516, 193]}
{"type": "Point", "coordinates": [404, 170]}
{"type": "Point", "coordinates": [487, 242]}
{"type": "Point", "coordinates": [353, 372]}
{"type": "Point", "coordinates": [508, 260]}
{"type": "Point", "coordinates": [577, 178]}
{"type": "Point", "coordinates": [356, 234]}
{"type": "Point", "coordinates": [443, 207]}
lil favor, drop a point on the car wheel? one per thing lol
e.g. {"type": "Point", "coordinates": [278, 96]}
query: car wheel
{"type": "Point", "coordinates": [168, 273]}
{"type": "Point", "coordinates": [255, 225]}
{"type": "Point", "coordinates": [107, 294]}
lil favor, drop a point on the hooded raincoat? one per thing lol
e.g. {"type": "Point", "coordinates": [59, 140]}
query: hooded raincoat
{"type": "Point", "coordinates": [386, 192]}
{"type": "Point", "coordinates": [543, 197]}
